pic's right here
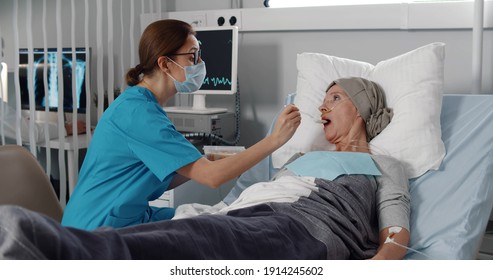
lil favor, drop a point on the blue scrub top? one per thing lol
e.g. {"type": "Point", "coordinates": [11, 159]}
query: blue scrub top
{"type": "Point", "coordinates": [131, 160]}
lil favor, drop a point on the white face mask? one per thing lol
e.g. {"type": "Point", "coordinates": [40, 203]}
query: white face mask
{"type": "Point", "coordinates": [194, 77]}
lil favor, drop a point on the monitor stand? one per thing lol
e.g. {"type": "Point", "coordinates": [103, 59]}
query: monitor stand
{"type": "Point", "coordinates": [197, 108]}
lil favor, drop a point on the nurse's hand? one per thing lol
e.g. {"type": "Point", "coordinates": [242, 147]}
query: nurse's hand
{"type": "Point", "coordinates": [286, 124]}
{"type": "Point", "coordinates": [215, 173]}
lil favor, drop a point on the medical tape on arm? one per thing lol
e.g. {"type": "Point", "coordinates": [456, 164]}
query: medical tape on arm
{"type": "Point", "coordinates": [390, 239]}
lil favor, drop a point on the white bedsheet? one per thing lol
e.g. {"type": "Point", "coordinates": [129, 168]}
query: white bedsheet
{"type": "Point", "coordinates": [284, 189]}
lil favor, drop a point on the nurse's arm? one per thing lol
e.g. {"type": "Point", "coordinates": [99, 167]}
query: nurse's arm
{"type": "Point", "coordinates": [216, 173]}
{"type": "Point", "coordinates": [177, 180]}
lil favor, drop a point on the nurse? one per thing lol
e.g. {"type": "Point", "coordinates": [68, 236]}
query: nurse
{"type": "Point", "coordinates": [136, 154]}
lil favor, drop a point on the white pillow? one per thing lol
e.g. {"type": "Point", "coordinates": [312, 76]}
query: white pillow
{"type": "Point", "coordinates": [413, 85]}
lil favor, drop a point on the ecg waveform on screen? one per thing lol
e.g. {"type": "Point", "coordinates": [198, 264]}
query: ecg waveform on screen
{"type": "Point", "coordinates": [217, 81]}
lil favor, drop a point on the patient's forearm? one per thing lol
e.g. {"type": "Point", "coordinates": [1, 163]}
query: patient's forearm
{"type": "Point", "coordinates": [388, 250]}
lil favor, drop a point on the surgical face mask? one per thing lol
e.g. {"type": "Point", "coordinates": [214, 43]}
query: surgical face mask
{"type": "Point", "coordinates": [194, 77]}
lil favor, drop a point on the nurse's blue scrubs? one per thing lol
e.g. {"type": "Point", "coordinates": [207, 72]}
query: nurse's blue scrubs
{"type": "Point", "coordinates": [131, 160]}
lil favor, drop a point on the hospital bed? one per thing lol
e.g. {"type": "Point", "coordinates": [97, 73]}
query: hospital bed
{"type": "Point", "coordinates": [450, 207]}
{"type": "Point", "coordinates": [450, 163]}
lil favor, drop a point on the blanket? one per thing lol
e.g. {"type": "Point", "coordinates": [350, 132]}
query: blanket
{"type": "Point", "coordinates": [334, 220]}
{"type": "Point", "coordinates": [341, 213]}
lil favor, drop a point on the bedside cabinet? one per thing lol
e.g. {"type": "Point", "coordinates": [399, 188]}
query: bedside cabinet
{"type": "Point", "coordinates": [165, 200]}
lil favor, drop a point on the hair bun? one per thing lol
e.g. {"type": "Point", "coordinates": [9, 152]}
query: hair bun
{"type": "Point", "coordinates": [378, 121]}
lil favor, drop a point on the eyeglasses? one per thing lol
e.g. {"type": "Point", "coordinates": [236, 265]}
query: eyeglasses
{"type": "Point", "coordinates": [196, 55]}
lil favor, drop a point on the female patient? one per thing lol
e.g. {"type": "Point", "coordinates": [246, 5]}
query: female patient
{"type": "Point", "coordinates": [136, 154]}
{"type": "Point", "coordinates": [296, 216]}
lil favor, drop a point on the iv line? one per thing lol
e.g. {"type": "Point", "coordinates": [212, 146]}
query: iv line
{"type": "Point", "coordinates": [390, 240]}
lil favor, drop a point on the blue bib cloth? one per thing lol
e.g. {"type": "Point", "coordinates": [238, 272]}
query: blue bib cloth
{"type": "Point", "coordinates": [330, 165]}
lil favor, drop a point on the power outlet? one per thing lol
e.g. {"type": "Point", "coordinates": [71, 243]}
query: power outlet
{"type": "Point", "coordinates": [196, 20]}
{"type": "Point", "coordinates": [227, 18]}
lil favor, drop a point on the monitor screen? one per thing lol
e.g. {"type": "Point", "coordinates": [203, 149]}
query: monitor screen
{"type": "Point", "coordinates": [41, 98]}
{"type": "Point", "coordinates": [219, 46]}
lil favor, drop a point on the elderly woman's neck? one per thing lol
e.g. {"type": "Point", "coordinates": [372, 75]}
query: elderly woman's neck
{"type": "Point", "coordinates": [355, 139]}
{"type": "Point", "coordinates": [354, 144]}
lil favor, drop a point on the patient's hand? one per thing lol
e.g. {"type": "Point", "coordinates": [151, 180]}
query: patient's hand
{"type": "Point", "coordinates": [287, 123]}
{"type": "Point", "coordinates": [81, 127]}
{"type": "Point", "coordinates": [391, 251]}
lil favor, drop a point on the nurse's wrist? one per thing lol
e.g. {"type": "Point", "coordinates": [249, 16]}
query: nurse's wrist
{"type": "Point", "coordinates": [275, 141]}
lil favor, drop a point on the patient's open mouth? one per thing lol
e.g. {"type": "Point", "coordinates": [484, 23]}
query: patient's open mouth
{"type": "Point", "coordinates": [322, 121]}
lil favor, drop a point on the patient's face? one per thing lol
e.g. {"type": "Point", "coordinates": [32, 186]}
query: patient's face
{"type": "Point", "coordinates": [339, 113]}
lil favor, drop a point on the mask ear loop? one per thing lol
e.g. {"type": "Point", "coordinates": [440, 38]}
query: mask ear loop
{"type": "Point", "coordinates": [175, 63]}
{"type": "Point", "coordinates": [178, 96]}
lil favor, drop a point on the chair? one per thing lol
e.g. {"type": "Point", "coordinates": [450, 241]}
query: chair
{"type": "Point", "coordinates": [24, 183]}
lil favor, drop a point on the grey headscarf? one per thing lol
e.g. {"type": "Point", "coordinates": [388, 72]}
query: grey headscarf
{"type": "Point", "coordinates": [369, 99]}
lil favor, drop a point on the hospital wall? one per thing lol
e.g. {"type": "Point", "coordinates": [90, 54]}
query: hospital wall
{"type": "Point", "coordinates": [267, 59]}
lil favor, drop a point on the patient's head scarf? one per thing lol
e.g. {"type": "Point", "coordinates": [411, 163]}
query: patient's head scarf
{"type": "Point", "coordinates": [369, 99]}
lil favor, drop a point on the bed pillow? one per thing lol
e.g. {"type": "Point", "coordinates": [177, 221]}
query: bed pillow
{"type": "Point", "coordinates": [413, 85]}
